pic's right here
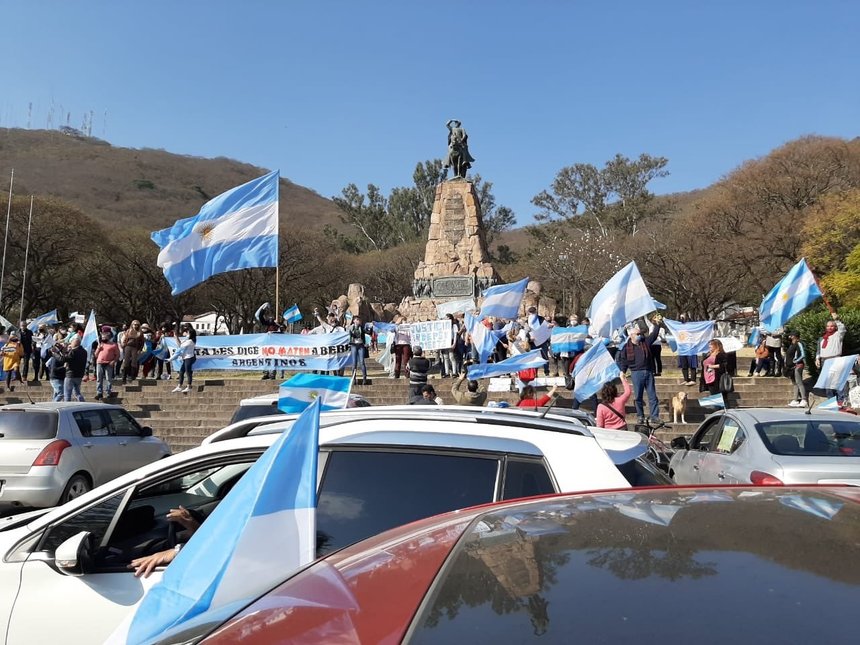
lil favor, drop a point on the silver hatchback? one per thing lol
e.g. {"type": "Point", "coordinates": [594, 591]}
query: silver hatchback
{"type": "Point", "coordinates": [770, 447]}
{"type": "Point", "coordinates": [51, 453]}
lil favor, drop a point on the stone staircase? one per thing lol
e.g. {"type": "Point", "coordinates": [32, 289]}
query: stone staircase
{"type": "Point", "coordinates": [184, 420]}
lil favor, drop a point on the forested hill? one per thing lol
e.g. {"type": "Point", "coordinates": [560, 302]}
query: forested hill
{"type": "Point", "coordinates": [147, 189]}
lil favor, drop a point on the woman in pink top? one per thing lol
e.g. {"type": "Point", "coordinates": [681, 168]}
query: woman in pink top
{"type": "Point", "coordinates": [106, 356]}
{"type": "Point", "coordinates": [610, 410]}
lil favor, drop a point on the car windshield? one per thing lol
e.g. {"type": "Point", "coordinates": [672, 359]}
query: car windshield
{"type": "Point", "coordinates": [28, 425]}
{"type": "Point", "coordinates": [812, 438]}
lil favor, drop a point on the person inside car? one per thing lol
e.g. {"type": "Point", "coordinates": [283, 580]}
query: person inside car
{"type": "Point", "coordinates": [190, 522]}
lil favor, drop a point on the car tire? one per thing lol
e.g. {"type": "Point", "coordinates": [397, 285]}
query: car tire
{"type": "Point", "coordinates": [77, 486]}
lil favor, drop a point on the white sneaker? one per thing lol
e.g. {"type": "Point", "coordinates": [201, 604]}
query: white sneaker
{"type": "Point", "coordinates": [795, 404]}
{"type": "Point", "coordinates": [185, 389]}
{"type": "Point", "coordinates": [164, 377]}
{"type": "Point", "coordinates": [178, 388]}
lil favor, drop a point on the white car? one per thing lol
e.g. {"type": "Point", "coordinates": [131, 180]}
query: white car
{"type": "Point", "coordinates": [374, 474]}
{"type": "Point", "coordinates": [51, 453]}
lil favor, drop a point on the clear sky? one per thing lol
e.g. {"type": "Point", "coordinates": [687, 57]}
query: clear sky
{"type": "Point", "coordinates": [359, 91]}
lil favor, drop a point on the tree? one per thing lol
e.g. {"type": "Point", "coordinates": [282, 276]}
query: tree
{"type": "Point", "coordinates": [612, 198]}
{"type": "Point", "coordinates": [369, 215]}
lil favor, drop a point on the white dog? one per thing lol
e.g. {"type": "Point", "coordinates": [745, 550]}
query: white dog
{"type": "Point", "coordinates": [679, 407]}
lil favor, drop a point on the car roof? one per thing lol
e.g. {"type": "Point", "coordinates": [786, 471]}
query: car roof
{"type": "Point", "coordinates": [59, 405]}
{"type": "Point", "coordinates": [770, 415]}
{"type": "Point", "coordinates": [548, 555]}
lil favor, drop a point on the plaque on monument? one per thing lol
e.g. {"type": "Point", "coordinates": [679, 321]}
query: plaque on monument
{"type": "Point", "coordinates": [453, 286]}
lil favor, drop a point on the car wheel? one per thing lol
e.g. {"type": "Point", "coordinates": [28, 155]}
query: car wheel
{"type": "Point", "coordinates": [77, 486]}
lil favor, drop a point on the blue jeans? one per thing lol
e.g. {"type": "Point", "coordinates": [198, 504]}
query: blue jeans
{"type": "Point", "coordinates": [644, 380]}
{"type": "Point", "coordinates": [57, 386]}
{"type": "Point", "coordinates": [72, 386]}
{"type": "Point", "coordinates": [356, 354]}
{"type": "Point", "coordinates": [104, 372]}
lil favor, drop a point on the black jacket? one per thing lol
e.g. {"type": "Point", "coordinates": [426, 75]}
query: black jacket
{"type": "Point", "coordinates": [76, 362]}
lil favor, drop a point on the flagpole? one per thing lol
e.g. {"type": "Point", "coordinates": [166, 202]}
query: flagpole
{"type": "Point", "coordinates": [26, 256]}
{"type": "Point", "coordinates": [8, 212]}
{"type": "Point", "coordinates": [277, 290]}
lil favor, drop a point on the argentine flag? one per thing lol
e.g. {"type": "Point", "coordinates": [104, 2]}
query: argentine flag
{"type": "Point", "coordinates": [264, 529]}
{"type": "Point", "coordinates": [503, 300]}
{"type": "Point", "coordinates": [690, 338]}
{"type": "Point", "coordinates": [568, 339]}
{"type": "Point", "coordinates": [712, 401]}
{"type": "Point", "coordinates": [592, 370]}
{"type": "Point", "coordinates": [384, 326]}
{"type": "Point", "coordinates": [484, 340]}
{"type": "Point", "coordinates": [791, 295]}
{"type": "Point", "coordinates": [835, 372]}
{"type": "Point", "coordinates": [303, 389]}
{"type": "Point", "coordinates": [830, 404]}
{"type": "Point", "coordinates": [623, 299]}
{"type": "Point", "coordinates": [235, 230]}
{"type": "Point", "coordinates": [755, 337]}
{"type": "Point", "coordinates": [48, 319]}
{"type": "Point", "coordinates": [510, 365]}
{"type": "Point", "coordinates": [292, 314]}
{"type": "Point", "coordinates": [91, 334]}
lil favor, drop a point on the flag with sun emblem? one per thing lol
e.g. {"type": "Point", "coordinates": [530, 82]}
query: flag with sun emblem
{"type": "Point", "coordinates": [791, 295]}
{"type": "Point", "coordinates": [235, 230]}
{"type": "Point", "coordinates": [302, 389]}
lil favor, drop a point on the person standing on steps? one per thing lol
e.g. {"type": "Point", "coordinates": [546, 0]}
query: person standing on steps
{"type": "Point", "coordinates": [636, 355]}
{"type": "Point", "coordinates": [187, 355]}
{"type": "Point", "coordinates": [106, 356]}
{"type": "Point", "coordinates": [357, 349]}
{"type": "Point", "coordinates": [76, 367]}
{"type": "Point", "coordinates": [13, 354]}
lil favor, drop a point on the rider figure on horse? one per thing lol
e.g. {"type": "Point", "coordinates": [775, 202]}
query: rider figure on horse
{"type": "Point", "coordinates": [458, 150]}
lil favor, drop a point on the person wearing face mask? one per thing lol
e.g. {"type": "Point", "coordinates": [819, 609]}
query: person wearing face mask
{"type": "Point", "coordinates": [132, 343]}
{"type": "Point", "coordinates": [187, 355]}
{"type": "Point", "coordinates": [357, 349]}
{"type": "Point", "coordinates": [106, 356]}
{"type": "Point", "coordinates": [637, 355]}
{"type": "Point", "coordinates": [146, 358]}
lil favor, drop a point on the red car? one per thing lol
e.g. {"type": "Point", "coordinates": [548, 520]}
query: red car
{"type": "Point", "coordinates": [699, 565]}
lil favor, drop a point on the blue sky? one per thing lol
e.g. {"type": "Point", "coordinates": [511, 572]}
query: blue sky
{"type": "Point", "coordinates": [338, 92]}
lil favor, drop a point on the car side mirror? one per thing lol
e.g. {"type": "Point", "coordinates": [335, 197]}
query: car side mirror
{"type": "Point", "coordinates": [146, 431]}
{"type": "Point", "coordinates": [680, 443]}
{"type": "Point", "coordinates": [74, 556]}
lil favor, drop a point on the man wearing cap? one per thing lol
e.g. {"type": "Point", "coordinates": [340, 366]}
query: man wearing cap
{"type": "Point", "coordinates": [637, 356]}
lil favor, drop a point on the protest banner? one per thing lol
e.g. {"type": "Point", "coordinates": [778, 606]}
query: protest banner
{"type": "Point", "coordinates": [432, 334]}
{"type": "Point", "coordinates": [295, 352]}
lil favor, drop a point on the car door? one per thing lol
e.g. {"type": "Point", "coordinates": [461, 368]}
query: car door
{"type": "Point", "coordinates": [724, 463]}
{"type": "Point", "coordinates": [99, 447]}
{"type": "Point", "coordinates": [133, 449]}
{"type": "Point", "coordinates": [52, 607]}
{"type": "Point", "coordinates": [687, 467]}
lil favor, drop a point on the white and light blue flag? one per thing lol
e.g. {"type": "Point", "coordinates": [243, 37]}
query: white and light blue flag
{"type": "Point", "coordinates": [503, 300]}
{"type": "Point", "coordinates": [830, 404]}
{"type": "Point", "coordinates": [510, 365]}
{"type": "Point", "coordinates": [621, 300]}
{"type": "Point", "coordinates": [690, 338]}
{"type": "Point", "coordinates": [7, 324]}
{"type": "Point", "coordinates": [235, 230]}
{"type": "Point", "coordinates": [483, 340]}
{"type": "Point", "coordinates": [384, 326]}
{"type": "Point", "coordinates": [713, 401]}
{"type": "Point", "coordinates": [264, 529]}
{"type": "Point", "coordinates": [302, 389]}
{"type": "Point", "coordinates": [594, 368]}
{"type": "Point", "coordinates": [835, 372]}
{"type": "Point", "coordinates": [48, 319]}
{"type": "Point", "coordinates": [91, 334]}
{"type": "Point", "coordinates": [568, 339]}
{"type": "Point", "coordinates": [292, 314]}
{"type": "Point", "coordinates": [791, 295]}
{"type": "Point", "coordinates": [455, 306]}
{"type": "Point", "coordinates": [755, 337]}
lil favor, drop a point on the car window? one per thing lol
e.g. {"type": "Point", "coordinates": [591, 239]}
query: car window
{"type": "Point", "coordinates": [255, 410]}
{"type": "Point", "coordinates": [526, 478]}
{"type": "Point", "coordinates": [24, 424]}
{"type": "Point", "coordinates": [123, 424]}
{"type": "Point", "coordinates": [731, 437]}
{"type": "Point", "coordinates": [365, 492]}
{"type": "Point", "coordinates": [92, 423]}
{"type": "Point", "coordinates": [96, 519]}
{"type": "Point", "coordinates": [705, 438]}
{"type": "Point", "coordinates": [816, 438]}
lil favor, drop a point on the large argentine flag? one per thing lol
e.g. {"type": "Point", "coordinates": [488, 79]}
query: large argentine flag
{"type": "Point", "coordinates": [690, 338]}
{"type": "Point", "coordinates": [623, 299]}
{"type": "Point", "coordinates": [264, 529]}
{"type": "Point", "coordinates": [303, 389]}
{"type": "Point", "coordinates": [484, 340]}
{"type": "Point", "coordinates": [595, 368]}
{"type": "Point", "coordinates": [568, 339]}
{"type": "Point", "coordinates": [49, 318]}
{"type": "Point", "coordinates": [236, 230]}
{"type": "Point", "coordinates": [791, 295]}
{"type": "Point", "coordinates": [508, 366]}
{"type": "Point", "coordinates": [835, 372]}
{"type": "Point", "coordinates": [503, 300]}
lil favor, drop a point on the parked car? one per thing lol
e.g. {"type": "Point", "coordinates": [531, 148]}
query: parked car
{"type": "Point", "coordinates": [51, 453]}
{"type": "Point", "coordinates": [375, 473]}
{"type": "Point", "coordinates": [595, 568]}
{"type": "Point", "coordinates": [267, 404]}
{"type": "Point", "coordinates": [770, 446]}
